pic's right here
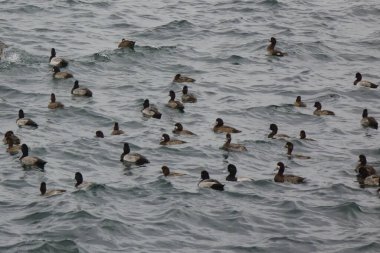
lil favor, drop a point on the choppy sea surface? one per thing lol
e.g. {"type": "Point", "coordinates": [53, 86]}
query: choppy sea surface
{"type": "Point", "coordinates": [222, 45]}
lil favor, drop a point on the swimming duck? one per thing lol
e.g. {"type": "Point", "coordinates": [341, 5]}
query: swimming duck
{"type": "Point", "coordinates": [319, 110]}
{"type": "Point", "coordinates": [274, 133]}
{"type": "Point", "coordinates": [10, 134]}
{"type": "Point", "coordinates": [188, 97]}
{"type": "Point", "coordinates": [116, 130]}
{"type": "Point", "coordinates": [289, 146]}
{"type": "Point", "coordinates": [272, 51]}
{"type": "Point", "coordinates": [303, 136]}
{"type": "Point", "coordinates": [232, 176]}
{"type": "Point", "coordinates": [364, 83]}
{"type": "Point", "coordinates": [363, 164]}
{"type": "Point", "coordinates": [221, 128]}
{"type": "Point", "coordinates": [60, 75]}
{"type": "Point", "coordinates": [150, 110]}
{"type": "Point", "coordinates": [178, 129]}
{"type": "Point", "coordinates": [228, 146]}
{"type": "Point", "coordinates": [49, 193]}
{"type": "Point", "coordinates": [57, 61]}
{"type": "Point", "coordinates": [80, 184]}
{"type": "Point", "coordinates": [365, 179]}
{"type": "Point", "coordinates": [133, 158]}
{"type": "Point", "coordinates": [167, 173]}
{"type": "Point", "coordinates": [12, 149]}
{"type": "Point", "coordinates": [80, 91]}
{"type": "Point", "coordinates": [183, 79]}
{"type": "Point", "coordinates": [53, 103]}
{"type": "Point", "coordinates": [27, 160]}
{"type": "Point", "coordinates": [174, 104]}
{"type": "Point", "coordinates": [299, 103]}
{"type": "Point", "coordinates": [127, 44]}
{"type": "Point", "coordinates": [165, 140]}
{"type": "Point", "coordinates": [22, 121]}
{"type": "Point", "coordinates": [99, 134]}
{"type": "Point", "coordinates": [206, 182]}
{"type": "Point", "coordinates": [281, 178]}
{"type": "Point", "coordinates": [368, 121]}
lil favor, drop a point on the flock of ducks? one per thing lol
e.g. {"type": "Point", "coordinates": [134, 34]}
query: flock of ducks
{"type": "Point", "coordinates": [366, 174]}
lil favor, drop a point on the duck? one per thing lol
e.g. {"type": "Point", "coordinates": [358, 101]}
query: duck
{"type": "Point", "coordinates": [57, 61]}
{"type": "Point", "coordinates": [22, 121]}
{"type": "Point", "coordinates": [290, 146]}
{"type": "Point", "coordinates": [281, 178]}
{"type": "Point", "coordinates": [363, 164]}
{"type": "Point", "coordinates": [80, 91]}
{"type": "Point", "coordinates": [364, 83]}
{"type": "Point", "coordinates": [12, 148]}
{"type": "Point", "coordinates": [50, 193]}
{"type": "Point", "coordinates": [178, 129]}
{"type": "Point", "coordinates": [303, 136]}
{"type": "Point", "coordinates": [299, 103]}
{"type": "Point", "coordinates": [10, 134]}
{"type": "Point", "coordinates": [150, 110]}
{"type": "Point", "coordinates": [274, 134]}
{"type": "Point", "coordinates": [27, 160]}
{"type": "Point", "coordinates": [188, 97]}
{"type": "Point", "coordinates": [165, 140]}
{"type": "Point", "coordinates": [127, 44]}
{"type": "Point", "coordinates": [61, 75]}
{"type": "Point", "coordinates": [272, 51]}
{"type": "Point", "coordinates": [368, 121]}
{"type": "Point", "coordinates": [80, 184]}
{"type": "Point", "coordinates": [174, 104]}
{"type": "Point", "coordinates": [319, 110]}
{"type": "Point", "coordinates": [99, 134]}
{"type": "Point", "coordinates": [206, 182]}
{"type": "Point", "coordinates": [167, 173]}
{"type": "Point", "coordinates": [53, 103]}
{"type": "Point", "coordinates": [2, 47]}
{"type": "Point", "coordinates": [221, 128]}
{"type": "Point", "coordinates": [133, 158]}
{"type": "Point", "coordinates": [178, 78]}
{"type": "Point", "coordinates": [228, 146]}
{"type": "Point", "coordinates": [232, 174]}
{"type": "Point", "coordinates": [116, 130]}
{"type": "Point", "coordinates": [365, 179]}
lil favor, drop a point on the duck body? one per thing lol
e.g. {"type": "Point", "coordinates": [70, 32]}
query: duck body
{"type": "Point", "coordinates": [167, 173]}
{"type": "Point", "coordinates": [281, 178]}
{"type": "Point", "coordinates": [368, 121]}
{"type": "Point", "coordinates": [12, 148]}
{"type": "Point", "coordinates": [132, 158]}
{"type": "Point", "coordinates": [290, 146]}
{"type": "Point", "coordinates": [10, 134]}
{"type": "Point", "coordinates": [54, 104]}
{"type": "Point", "coordinates": [57, 74]}
{"type": "Point", "coordinates": [178, 78]}
{"type": "Point", "coordinates": [80, 184]}
{"type": "Point", "coordinates": [221, 128]}
{"type": "Point", "coordinates": [206, 182]}
{"type": "Point", "coordinates": [24, 122]}
{"type": "Point", "coordinates": [274, 134]}
{"type": "Point", "coordinates": [80, 91]}
{"type": "Point", "coordinates": [303, 136]}
{"type": "Point", "coordinates": [127, 44]}
{"type": "Point", "coordinates": [232, 175]}
{"type": "Point", "coordinates": [165, 140]}
{"type": "Point", "coordinates": [228, 146]}
{"type": "Point", "coordinates": [271, 49]}
{"type": "Point", "coordinates": [188, 97]}
{"type": "Point", "coordinates": [319, 111]}
{"type": "Point", "coordinates": [370, 170]}
{"type": "Point", "coordinates": [299, 103]}
{"type": "Point", "coordinates": [116, 130]}
{"type": "Point", "coordinates": [57, 61]}
{"type": "Point", "coordinates": [365, 179]}
{"type": "Point", "coordinates": [364, 83]}
{"type": "Point", "coordinates": [178, 129]}
{"type": "Point", "coordinates": [150, 111]}
{"type": "Point", "coordinates": [175, 104]}
{"type": "Point", "coordinates": [50, 193]}
{"type": "Point", "coordinates": [30, 161]}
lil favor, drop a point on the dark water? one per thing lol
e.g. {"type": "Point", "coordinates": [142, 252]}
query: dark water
{"type": "Point", "coordinates": [222, 45]}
